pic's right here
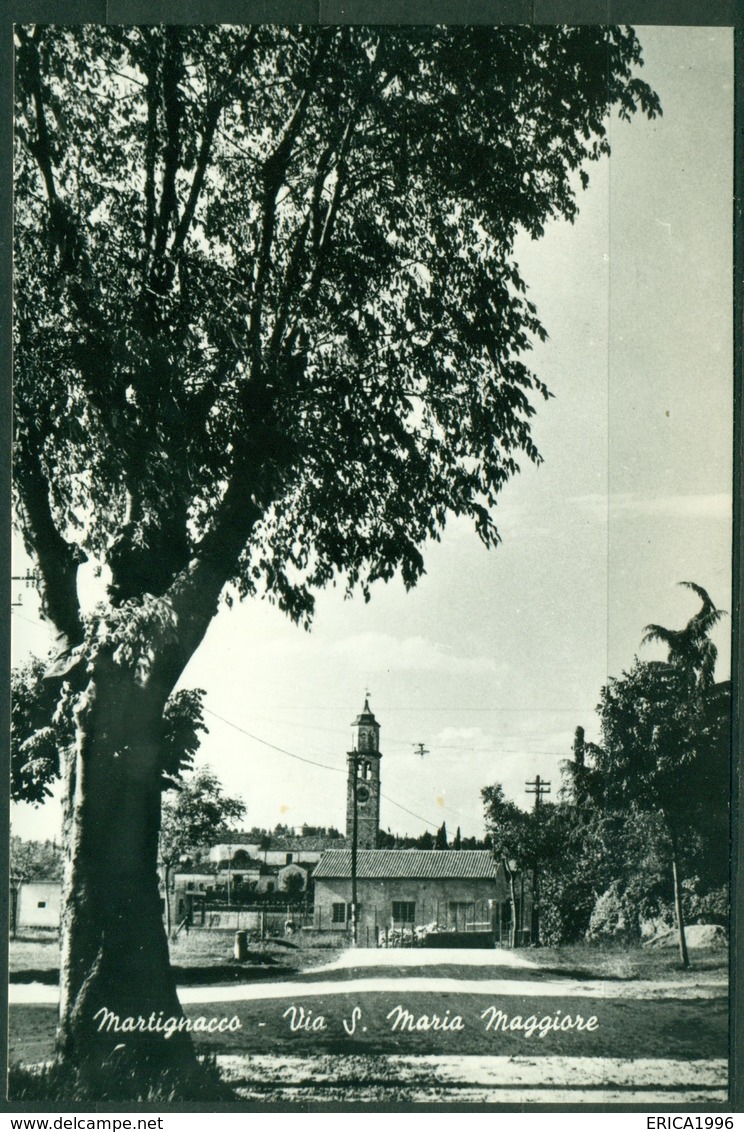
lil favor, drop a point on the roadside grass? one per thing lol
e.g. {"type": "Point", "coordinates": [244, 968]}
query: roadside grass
{"type": "Point", "coordinates": [201, 956]}
{"type": "Point", "coordinates": [626, 961]}
{"type": "Point", "coordinates": [206, 956]}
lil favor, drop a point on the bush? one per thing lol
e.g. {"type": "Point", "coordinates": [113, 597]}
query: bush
{"type": "Point", "coordinates": [609, 918]}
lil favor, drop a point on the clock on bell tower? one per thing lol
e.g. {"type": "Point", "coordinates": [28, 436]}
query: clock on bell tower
{"type": "Point", "coordinates": [363, 781]}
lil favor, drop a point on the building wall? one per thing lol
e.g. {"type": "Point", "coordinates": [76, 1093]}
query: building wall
{"type": "Point", "coordinates": [300, 855]}
{"type": "Point", "coordinates": [39, 904]}
{"type": "Point", "coordinates": [450, 902]}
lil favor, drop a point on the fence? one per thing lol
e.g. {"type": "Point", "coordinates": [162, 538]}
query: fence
{"type": "Point", "coordinates": [271, 920]}
{"type": "Point", "coordinates": [412, 924]}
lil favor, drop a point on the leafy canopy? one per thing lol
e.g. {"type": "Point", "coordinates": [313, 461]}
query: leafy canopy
{"type": "Point", "coordinates": [666, 729]}
{"type": "Point", "coordinates": [268, 315]}
{"type": "Point", "coordinates": [199, 812]}
{"type": "Point", "coordinates": [40, 730]}
{"type": "Point", "coordinates": [35, 860]}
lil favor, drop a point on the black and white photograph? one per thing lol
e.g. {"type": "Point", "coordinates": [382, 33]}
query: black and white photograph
{"type": "Point", "coordinates": [371, 566]}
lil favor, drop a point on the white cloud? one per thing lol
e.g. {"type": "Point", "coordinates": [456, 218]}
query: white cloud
{"type": "Point", "coordinates": [409, 654]}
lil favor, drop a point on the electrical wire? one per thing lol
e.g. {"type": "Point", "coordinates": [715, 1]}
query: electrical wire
{"type": "Point", "coordinates": [311, 762]}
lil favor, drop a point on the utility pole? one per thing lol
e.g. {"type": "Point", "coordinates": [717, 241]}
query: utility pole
{"type": "Point", "coordinates": [354, 838]}
{"type": "Point", "coordinates": [31, 577]}
{"type": "Point", "coordinates": [538, 788]}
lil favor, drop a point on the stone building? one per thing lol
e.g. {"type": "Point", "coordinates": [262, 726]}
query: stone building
{"type": "Point", "coordinates": [363, 781]}
{"type": "Point", "coordinates": [444, 891]}
{"type": "Point", "coordinates": [38, 904]}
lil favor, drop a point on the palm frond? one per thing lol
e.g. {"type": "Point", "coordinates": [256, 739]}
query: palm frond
{"type": "Point", "coordinates": [653, 633]}
{"type": "Point", "coordinates": [702, 594]}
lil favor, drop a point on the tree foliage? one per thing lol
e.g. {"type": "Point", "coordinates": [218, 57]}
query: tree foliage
{"type": "Point", "coordinates": [666, 729]}
{"type": "Point", "coordinates": [511, 828]}
{"type": "Point", "coordinates": [40, 731]}
{"type": "Point", "coordinates": [35, 860]}
{"type": "Point", "coordinates": [267, 309]}
{"type": "Point", "coordinates": [199, 812]}
{"type": "Point", "coordinates": [35, 734]}
{"type": "Point", "coordinates": [651, 795]}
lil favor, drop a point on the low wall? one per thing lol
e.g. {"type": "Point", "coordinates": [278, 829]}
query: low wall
{"type": "Point", "coordinates": [460, 939]}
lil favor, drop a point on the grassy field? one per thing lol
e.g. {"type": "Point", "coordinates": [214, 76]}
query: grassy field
{"type": "Point", "coordinates": [201, 957]}
{"type": "Point", "coordinates": [622, 961]}
{"type": "Point", "coordinates": [207, 957]}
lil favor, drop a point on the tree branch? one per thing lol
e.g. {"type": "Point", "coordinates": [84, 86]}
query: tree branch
{"type": "Point", "coordinates": [172, 152]}
{"type": "Point", "coordinates": [274, 172]}
{"type": "Point", "coordinates": [151, 71]}
{"type": "Point", "coordinates": [212, 118]}
{"type": "Point", "coordinates": [57, 559]}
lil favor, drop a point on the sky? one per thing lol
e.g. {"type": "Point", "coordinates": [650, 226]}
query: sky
{"type": "Point", "coordinates": [496, 656]}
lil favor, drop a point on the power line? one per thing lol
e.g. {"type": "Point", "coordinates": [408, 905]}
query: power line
{"type": "Point", "coordinates": [311, 762]}
{"type": "Point", "coordinates": [418, 817]}
{"type": "Point", "coordinates": [31, 620]}
{"type": "Point", "coordinates": [265, 743]}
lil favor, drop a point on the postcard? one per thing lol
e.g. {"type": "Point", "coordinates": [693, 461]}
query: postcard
{"type": "Point", "coordinates": [372, 589]}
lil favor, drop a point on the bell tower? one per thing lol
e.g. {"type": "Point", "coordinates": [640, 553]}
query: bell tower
{"type": "Point", "coordinates": [363, 781]}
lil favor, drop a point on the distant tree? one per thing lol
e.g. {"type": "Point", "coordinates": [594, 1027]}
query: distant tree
{"type": "Point", "coordinates": [513, 837]}
{"type": "Point", "coordinates": [269, 332]}
{"type": "Point", "coordinates": [440, 841]}
{"type": "Point", "coordinates": [666, 738]}
{"type": "Point", "coordinates": [425, 841]}
{"type": "Point", "coordinates": [199, 811]}
{"type": "Point", "coordinates": [292, 883]}
{"type": "Point", "coordinates": [457, 843]}
{"type": "Point", "coordinates": [35, 860]}
{"type": "Point", "coordinates": [690, 651]}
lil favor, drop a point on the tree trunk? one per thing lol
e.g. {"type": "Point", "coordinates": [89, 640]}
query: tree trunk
{"type": "Point", "coordinates": [678, 906]}
{"type": "Point", "coordinates": [116, 987]}
{"type": "Point", "coordinates": [166, 890]}
{"type": "Point", "coordinates": [513, 903]}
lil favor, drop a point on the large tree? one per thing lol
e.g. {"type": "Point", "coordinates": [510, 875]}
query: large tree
{"type": "Point", "coordinates": [269, 331]}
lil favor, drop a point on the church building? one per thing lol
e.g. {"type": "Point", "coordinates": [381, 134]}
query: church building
{"type": "Point", "coordinates": [433, 893]}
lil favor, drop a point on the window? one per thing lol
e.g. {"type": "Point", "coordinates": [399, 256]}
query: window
{"type": "Point", "coordinates": [404, 911]}
{"type": "Point", "coordinates": [41, 904]}
{"type": "Point", "coordinates": [341, 913]}
{"type": "Point", "coordinates": [288, 860]}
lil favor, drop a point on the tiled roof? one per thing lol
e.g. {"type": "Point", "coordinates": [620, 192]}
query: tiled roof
{"type": "Point", "coordinates": [279, 843]}
{"type": "Point", "coordinates": [303, 844]}
{"type": "Point", "coordinates": [409, 864]}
